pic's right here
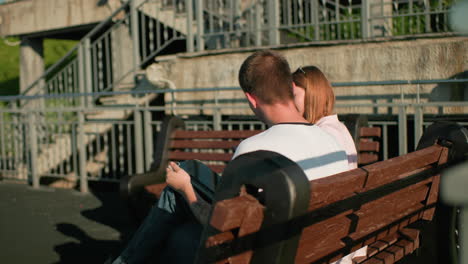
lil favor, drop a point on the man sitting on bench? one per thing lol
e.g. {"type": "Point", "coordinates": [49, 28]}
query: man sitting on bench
{"type": "Point", "coordinates": [265, 77]}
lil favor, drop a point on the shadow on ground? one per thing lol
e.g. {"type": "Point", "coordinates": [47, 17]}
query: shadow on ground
{"type": "Point", "coordinates": [61, 226]}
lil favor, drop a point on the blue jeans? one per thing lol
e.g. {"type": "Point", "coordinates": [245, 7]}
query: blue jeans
{"type": "Point", "coordinates": [163, 225]}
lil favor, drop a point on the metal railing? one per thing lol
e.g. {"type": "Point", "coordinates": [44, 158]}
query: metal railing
{"type": "Point", "coordinates": [232, 24]}
{"type": "Point", "coordinates": [71, 144]}
{"type": "Point", "coordinates": [110, 55]}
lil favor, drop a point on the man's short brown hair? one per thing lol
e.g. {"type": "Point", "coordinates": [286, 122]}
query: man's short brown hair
{"type": "Point", "coordinates": [266, 74]}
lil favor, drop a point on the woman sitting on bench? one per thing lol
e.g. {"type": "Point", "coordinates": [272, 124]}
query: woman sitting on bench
{"type": "Point", "coordinates": [315, 100]}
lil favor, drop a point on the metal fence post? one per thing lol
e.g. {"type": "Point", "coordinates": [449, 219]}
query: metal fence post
{"type": "Point", "coordinates": [82, 154]}
{"type": "Point", "coordinates": [273, 22]}
{"type": "Point", "coordinates": [33, 149]}
{"type": "Point", "coordinates": [138, 142]}
{"type": "Point", "coordinates": [385, 141]}
{"type": "Point", "coordinates": [134, 34]}
{"type": "Point", "coordinates": [17, 136]}
{"type": "Point", "coordinates": [81, 74]}
{"type": "Point", "coordinates": [148, 139]}
{"type": "Point", "coordinates": [418, 123]}
{"type": "Point", "coordinates": [427, 18]}
{"type": "Point", "coordinates": [216, 119]}
{"type": "Point", "coordinates": [88, 87]}
{"type": "Point", "coordinates": [365, 17]}
{"type": "Point", "coordinates": [189, 10]}
{"type": "Point", "coordinates": [216, 114]}
{"type": "Point", "coordinates": [200, 25]}
{"type": "Point", "coordinates": [258, 24]}
{"type": "Point", "coordinates": [402, 128]}
{"type": "Point", "coordinates": [314, 6]}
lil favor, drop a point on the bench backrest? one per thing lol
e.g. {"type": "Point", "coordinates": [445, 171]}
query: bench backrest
{"type": "Point", "coordinates": [371, 205]}
{"type": "Point", "coordinates": [214, 148]}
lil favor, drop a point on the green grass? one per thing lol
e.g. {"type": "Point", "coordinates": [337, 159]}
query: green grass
{"type": "Point", "coordinates": [9, 61]}
{"type": "Point", "coordinates": [9, 68]}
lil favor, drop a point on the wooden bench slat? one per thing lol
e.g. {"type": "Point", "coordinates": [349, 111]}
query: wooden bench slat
{"type": "Point", "coordinates": [349, 182]}
{"type": "Point", "coordinates": [370, 132]}
{"type": "Point", "coordinates": [411, 235]}
{"type": "Point", "coordinates": [397, 252]}
{"type": "Point", "coordinates": [228, 214]}
{"type": "Point", "coordinates": [365, 145]}
{"type": "Point", "coordinates": [388, 209]}
{"type": "Point", "coordinates": [220, 134]}
{"type": "Point", "coordinates": [390, 239]}
{"type": "Point", "coordinates": [385, 257]}
{"type": "Point", "coordinates": [205, 144]}
{"type": "Point", "coordinates": [393, 249]}
{"type": "Point", "coordinates": [366, 158]}
{"type": "Point", "coordinates": [219, 239]}
{"type": "Point", "coordinates": [330, 231]}
{"type": "Point", "coordinates": [381, 244]}
{"type": "Point", "coordinates": [359, 260]}
{"type": "Point", "coordinates": [173, 155]}
{"type": "Point", "coordinates": [392, 169]}
{"type": "Point", "coordinates": [433, 193]}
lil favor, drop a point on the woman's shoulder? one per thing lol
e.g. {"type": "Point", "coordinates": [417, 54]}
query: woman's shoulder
{"type": "Point", "coordinates": [330, 122]}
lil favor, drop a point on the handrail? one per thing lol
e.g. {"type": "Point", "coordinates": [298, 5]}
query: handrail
{"type": "Point", "coordinates": [230, 88]}
{"type": "Point", "coordinates": [89, 34]}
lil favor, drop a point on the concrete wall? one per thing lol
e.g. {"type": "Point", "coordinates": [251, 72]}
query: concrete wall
{"type": "Point", "coordinates": [397, 60]}
{"type": "Point", "coordinates": [33, 16]}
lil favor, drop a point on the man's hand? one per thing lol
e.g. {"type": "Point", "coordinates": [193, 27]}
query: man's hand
{"type": "Point", "coordinates": [179, 180]}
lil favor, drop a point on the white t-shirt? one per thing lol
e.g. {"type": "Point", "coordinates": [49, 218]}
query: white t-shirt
{"type": "Point", "coordinates": [334, 127]}
{"type": "Point", "coordinates": [314, 150]}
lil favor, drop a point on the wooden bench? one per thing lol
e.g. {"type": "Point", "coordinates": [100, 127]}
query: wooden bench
{"type": "Point", "coordinates": [296, 221]}
{"type": "Point", "coordinates": [215, 148]}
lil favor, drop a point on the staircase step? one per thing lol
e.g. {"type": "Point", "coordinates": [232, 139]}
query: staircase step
{"type": "Point", "coordinates": [167, 16]}
{"type": "Point", "coordinates": [124, 86]}
{"type": "Point", "coordinates": [101, 157]}
{"type": "Point", "coordinates": [126, 99]}
{"type": "Point", "coordinates": [94, 168]}
{"type": "Point", "coordinates": [110, 115]}
{"type": "Point", "coordinates": [93, 129]}
{"type": "Point", "coordinates": [68, 182]}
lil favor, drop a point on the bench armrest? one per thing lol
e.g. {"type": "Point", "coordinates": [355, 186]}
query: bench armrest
{"type": "Point", "coordinates": [133, 184]}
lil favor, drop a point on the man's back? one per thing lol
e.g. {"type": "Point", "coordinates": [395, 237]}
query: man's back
{"type": "Point", "coordinates": [315, 151]}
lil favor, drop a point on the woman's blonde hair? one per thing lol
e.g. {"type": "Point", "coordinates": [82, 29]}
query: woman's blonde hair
{"type": "Point", "coordinates": [319, 99]}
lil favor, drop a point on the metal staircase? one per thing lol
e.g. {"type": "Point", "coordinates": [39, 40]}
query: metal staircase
{"type": "Point", "coordinates": [136, 32]}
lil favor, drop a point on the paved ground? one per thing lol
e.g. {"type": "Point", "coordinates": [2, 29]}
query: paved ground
{"type": "Point", "coordinates": [60, 226]}
{"type": "Point", "coordinates": [63, 226]}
